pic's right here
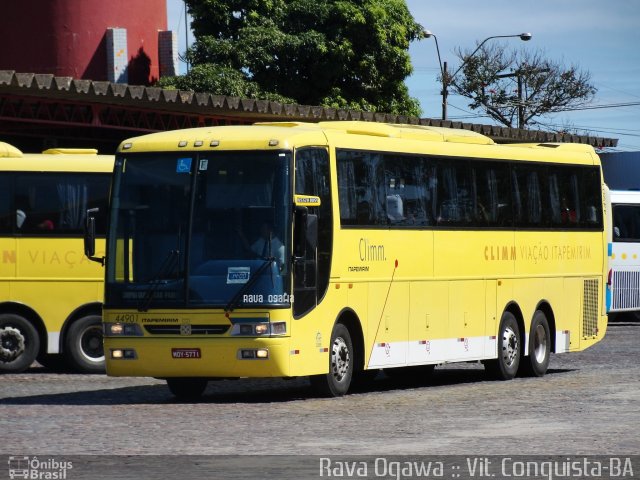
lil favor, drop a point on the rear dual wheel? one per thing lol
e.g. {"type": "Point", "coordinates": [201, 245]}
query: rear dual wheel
{"type": "Point", "coordinates": [536, 364]}
{"type": "Point", "coordinates": [510, 354]}
{"type": "Point", "coordinates": [506, 365]}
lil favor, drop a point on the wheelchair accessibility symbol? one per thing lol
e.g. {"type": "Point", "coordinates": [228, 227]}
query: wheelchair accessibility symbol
{"type": "Point", "coordinates": [183, 165]}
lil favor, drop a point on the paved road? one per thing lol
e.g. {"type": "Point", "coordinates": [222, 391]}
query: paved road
{"type": "Point", "coordinates": [588, 403]}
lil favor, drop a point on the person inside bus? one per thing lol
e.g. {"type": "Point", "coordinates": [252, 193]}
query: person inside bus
{"type": "Point", "coordinates": [45, 224]}
{"type": "Point", "coordinates": [20, 218]}
{"type": "Point", "coordinates": [267, 245]}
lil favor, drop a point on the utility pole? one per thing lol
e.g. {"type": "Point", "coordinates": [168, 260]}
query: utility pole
{"type": "Point", "coordinates": [518, 75]}
{"type": "Point", "coordinates": [520, 92]}
{"type": "Point", "coordinates": [520, 103]}
{"type": "Point", "coordinates": [525, 37]}
{"type": "Point", "coordinates": [186, 34]}
{"type": "Point", "coordinates": [444, 90]}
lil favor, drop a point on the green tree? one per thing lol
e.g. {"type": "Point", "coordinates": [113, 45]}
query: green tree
{"type": "Point", "coordinates": [515, 88]}
{"type": "Point", "coordinates": [336, 53]}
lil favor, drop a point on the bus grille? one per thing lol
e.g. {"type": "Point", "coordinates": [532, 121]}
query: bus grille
{"type": "Point", "coordinates": [180, 330]}
{"type": "Point", "coordinates": [625, 287]}
{"type": "Point", "coordinates": [590, 308]}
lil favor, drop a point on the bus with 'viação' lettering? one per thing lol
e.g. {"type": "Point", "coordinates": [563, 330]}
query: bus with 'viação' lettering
{"type": "Point", "coordinates": [337, 249]}
{"type": "Point", "coordinates": [50, 293]}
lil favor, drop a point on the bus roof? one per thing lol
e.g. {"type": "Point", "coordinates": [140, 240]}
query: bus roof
{"type": "Point", "coordinates": [625, 196]}
{"type": "Point", "coordinates": [9, 151]}
{"type": "Point", "coordinates": [351, 134]}
{"type": "Point", "coordinates": [54, 160]}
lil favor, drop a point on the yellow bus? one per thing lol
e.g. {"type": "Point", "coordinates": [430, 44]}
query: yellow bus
{"type": "Point", "coordinates": [50, 294]}
{"type": "Point", "coordinates": [337, 248]}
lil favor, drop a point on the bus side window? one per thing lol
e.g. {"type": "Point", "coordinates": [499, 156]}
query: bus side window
{"type": "Point", "coordinates": [361, 181]}
{"type": "Point", "coordinates": [407, 191]}
{"type": "Point", "coordinates": [448, 208]}
{"type": "Point", "coordinates": [57, 202]}
{"type": "Point", "coordinates": [527, 190]}
{"type": "Point", "coordinates": [8, 213]}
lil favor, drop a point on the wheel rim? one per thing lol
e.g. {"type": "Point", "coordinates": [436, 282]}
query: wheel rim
{"type": "Point", "coordinates": [540, 344]}
{"type": "Point", "coordinates": [12, 344]}
{"type": "Point", "coordinates": [509, 346]}
{"type": "Point", "coordinates": [91, 343]}
{"type": "Point", "coordinates": [340, 359]}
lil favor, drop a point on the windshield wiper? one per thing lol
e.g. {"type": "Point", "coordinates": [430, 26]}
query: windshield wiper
{"type": "Point", "coordinates": [252, 279]}
{"type": "Point", "coordinates": [167, 266]}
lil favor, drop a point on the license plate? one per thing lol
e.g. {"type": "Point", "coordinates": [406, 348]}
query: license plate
{"type": "Point", "coordinates": [186, 353]}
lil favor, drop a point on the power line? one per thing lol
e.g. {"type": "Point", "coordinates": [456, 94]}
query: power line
{"type": "Point", "coordinates": [597, 107]}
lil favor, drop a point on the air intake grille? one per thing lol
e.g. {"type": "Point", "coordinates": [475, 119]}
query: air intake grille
{"type": "Point", "coordinates": [625, 286]}
{"type": "Point", "coordinates": [590, 308]}
{"type": "Point", "coordinates": [191, 330]}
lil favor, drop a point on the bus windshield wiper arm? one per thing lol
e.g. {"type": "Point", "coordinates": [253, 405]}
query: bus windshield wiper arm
{"type": "Point", "coordinates": [252, 279]}
{"type": "Point", "coordinates": [168, 264]}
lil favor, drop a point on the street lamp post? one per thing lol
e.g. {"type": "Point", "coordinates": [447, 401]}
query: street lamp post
{"type": "Point", "coordinates": [525, 37]}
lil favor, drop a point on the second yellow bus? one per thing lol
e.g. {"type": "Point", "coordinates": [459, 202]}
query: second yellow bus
{"type": "Point", "coordinates": [50, 294]}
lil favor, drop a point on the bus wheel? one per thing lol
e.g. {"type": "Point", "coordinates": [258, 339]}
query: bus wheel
{"type": "Point", "coordinates": [83, 345]}
{"type": "Point", "coordinates": [336, 382]}
{"type": "Point", "coordinates": [536, 364]}
{"type": "Point", "coordinates": [19, 343]}
{"type": "Point", "coordinates": [187, 388]}
{"type": "Point", "coordinates": [506, 365]}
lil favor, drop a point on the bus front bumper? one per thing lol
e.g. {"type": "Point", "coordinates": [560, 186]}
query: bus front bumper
{"type": "Point", "coordinates": [178, 357]}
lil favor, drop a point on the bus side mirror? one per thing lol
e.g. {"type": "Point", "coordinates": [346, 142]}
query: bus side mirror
{"type": "Point", "coordinates": [90, 236]}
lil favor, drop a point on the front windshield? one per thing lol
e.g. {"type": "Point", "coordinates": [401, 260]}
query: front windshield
{"type": "Point", "coordinates": [208, 229]}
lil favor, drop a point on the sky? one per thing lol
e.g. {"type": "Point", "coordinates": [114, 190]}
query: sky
{"type": "Point", "coordinates": [601, 37]}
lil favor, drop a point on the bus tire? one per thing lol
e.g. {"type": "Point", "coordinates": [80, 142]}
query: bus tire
{"type": "Point", "coordinates": [341, 358]}
{"type": "Point", "coordinates": [537, 362]}
{"type": "Point", "coordinates": [506, 365]}
{"type": "Point", "coordinates": [187, 388]}
{"type": "Point", "coordinates": [19, 343]}
{"type": "Point", "coordinates": [84, 348]}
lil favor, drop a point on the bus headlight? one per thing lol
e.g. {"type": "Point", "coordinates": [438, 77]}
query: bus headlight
{"type": "Point", "coordinates": [253, 354]}
{"type": "Point", "coordinates": [123, 354]}
{"type": "Point", "coordinates": [122, 330]}
{"type": "Point", "coordinates": [261, 329]}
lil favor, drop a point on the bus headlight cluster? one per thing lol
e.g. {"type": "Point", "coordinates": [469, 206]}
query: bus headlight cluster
{"type": "Point", "coordinates": [262, 329]}
{"type": "Point", "coordinates": [122, 330]}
